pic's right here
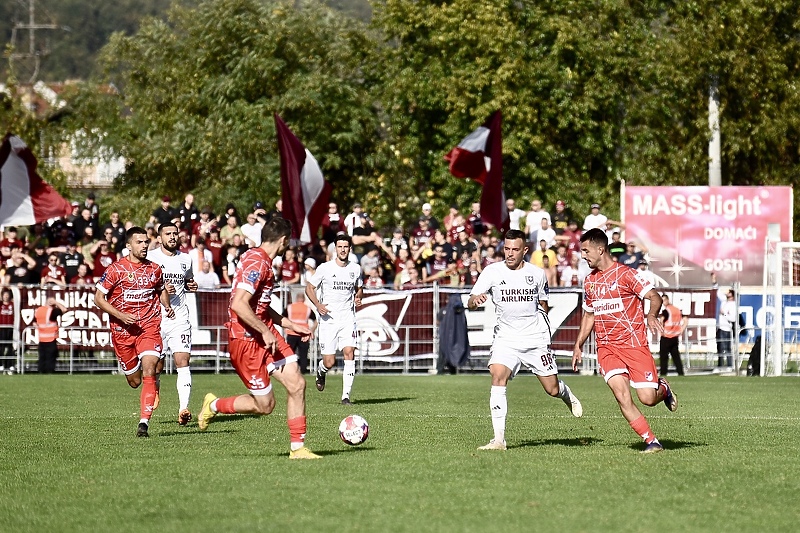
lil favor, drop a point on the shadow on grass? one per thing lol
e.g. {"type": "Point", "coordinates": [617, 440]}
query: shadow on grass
{"type": "Point", "coordinates": [191, 430]}
{"type": "Point", "coordinates": [582, 441]}
{"type": "Point", "coordinates": [217, 420]}
{"type": "Point", "coordinates": [670, 445]}
{"type": "Point", "coordinates": [354, 449]}
{"type": "Point", "coordinates": [370, 401]}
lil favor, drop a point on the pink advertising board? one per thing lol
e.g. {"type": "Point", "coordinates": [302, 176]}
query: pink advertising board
{"type": "Point", "coordinates": [693, 231]}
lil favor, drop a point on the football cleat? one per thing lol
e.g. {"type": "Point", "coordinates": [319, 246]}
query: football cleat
{"type": "Point", "coordinates": [141, 431]}
{"type": "Point", "coordinates": [303, 453]}
{"type": "Point", "coordinates": [653, 447]}
{"type": "Point", "coordinates": [184, 417]}
{"type": "Point", "coordinates": [320, 381]}
{"type": "Point", "coordinates": [494, 445]}
{"type": "Point", "coordinates": [206, 414]}
{"type": "Point", "coordinates": [670, 400]}
{"type": "Point", "coordinates": [574, 405]}
{"type": "Point", "coordinates": [346, 401]}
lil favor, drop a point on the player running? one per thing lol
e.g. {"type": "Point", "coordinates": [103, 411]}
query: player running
{"type": "Point", "coordinates": [519, 292]}
{"type": "Point", "coordinates": [130, 291]}
{"type": "Point", "coordinates": [258, 352]}
{"type": "Point", "coordinates": [176, 332]}
{"type": "Point", "coordinates": [340, 287]}
{"type": "Point", "coordinates": [613, 307]}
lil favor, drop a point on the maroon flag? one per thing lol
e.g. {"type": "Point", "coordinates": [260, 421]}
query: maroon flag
{"type": "Point", "coordinates": [480, 156]}
{"type": "Point", "coordinates": [25, 198]}
{"type": "Point", "coordinates": [304, 192]}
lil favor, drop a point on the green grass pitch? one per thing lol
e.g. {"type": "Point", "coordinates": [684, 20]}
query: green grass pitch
{"type": "Point", "coordinates": [69, 460]}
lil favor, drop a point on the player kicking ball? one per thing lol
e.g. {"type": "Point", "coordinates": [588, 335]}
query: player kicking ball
{"type": "Point", "coordinates": [340, 286]}
{"type": "Point", "coordinates": [258, 351]}
{"type": "Point", "coordinates": [519, 292]}
{"type": "Point", "coordinates": [613, 306]}
{"type": "Point", "coordinates": [176, 332]}
{"type": "Point", "coordinates": [132, 292]}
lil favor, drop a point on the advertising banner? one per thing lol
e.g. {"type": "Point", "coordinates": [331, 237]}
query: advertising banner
{"type": "Point", "coordinates": [691, 232]}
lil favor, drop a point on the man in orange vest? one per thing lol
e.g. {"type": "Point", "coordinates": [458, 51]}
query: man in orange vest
{"type": "Point", "coordinates": [301, 313]}
{"type": "Point", "coordinates": [46, 318]}
{"type": "Point", "coordinates": [674, 325]}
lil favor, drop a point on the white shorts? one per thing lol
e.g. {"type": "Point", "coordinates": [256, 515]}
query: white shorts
{"type": "Point", "coordinates": [536, 358]}
{"type": "Point", "coordinates": [333, 336]}
{"type": "Point", "coordinates": [177, 335]}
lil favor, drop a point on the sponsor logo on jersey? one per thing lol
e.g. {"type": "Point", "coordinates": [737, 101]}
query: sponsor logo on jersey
{"type": "Point", "coordinates": [140, 295]}
{"type": "Point", "coordinates": [609, 306]}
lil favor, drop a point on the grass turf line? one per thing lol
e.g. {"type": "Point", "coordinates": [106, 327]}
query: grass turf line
{"type": "Point", "coordinates": [70, 460]}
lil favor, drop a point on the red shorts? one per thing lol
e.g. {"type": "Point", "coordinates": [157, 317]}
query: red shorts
{"type": "Point", "coordinates": [254, 363]}
{"type": "Point", "coordinates": [637, 362]}
{"type": "Point", "coordinates": [130, 348]}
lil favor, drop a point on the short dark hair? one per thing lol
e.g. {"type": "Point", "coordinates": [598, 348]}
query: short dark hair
{"type": "Point", "coordinates": [341, 236]}
{"type": "Point", "coordinates": [165, 225]}
{"type": "Point", "coordinates": [596, 236]}
{"type": "Point", "coordinates": [513, 234]}
{"type": "Point", "coordinates": [276, 228]}
{"type": "Point", "coordinates": [135, 230]}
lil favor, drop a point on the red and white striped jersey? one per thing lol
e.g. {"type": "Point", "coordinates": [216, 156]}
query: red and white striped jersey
{"type": "Point", "coordinates": [254, 275]}
{"type": "Point", "coordinates": [134, 288]}
{"type": "Point", "coordinates": [615, 297]}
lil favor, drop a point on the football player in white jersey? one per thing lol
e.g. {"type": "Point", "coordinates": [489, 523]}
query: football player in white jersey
{"type": "Point", "coordinates": [176, 333]}
{"type": "Point", "coordinates": [519, 292]}
{"type": "Point", "coordinates": [340, 286]}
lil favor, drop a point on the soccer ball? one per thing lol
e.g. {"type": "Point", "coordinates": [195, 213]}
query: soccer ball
{"type": "Point", "coordinates": [354, 430]}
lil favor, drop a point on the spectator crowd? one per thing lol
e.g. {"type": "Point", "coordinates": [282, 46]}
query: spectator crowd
{"type": "Point", "coordinates": [76, 250]}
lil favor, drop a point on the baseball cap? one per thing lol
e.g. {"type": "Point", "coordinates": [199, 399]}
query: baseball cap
{"type": "Point", "coordinates": [149, 225]}
{"type": "Point", "coordinates": [595, 206]}
{"type": "Point", "coordinates": [75, 204]}
{"type": "Point", "coordinates": [426, 206]}
{"type": "Point", "coordinates": [258, 205]}
{"type": "Point", "coordinates": [643, 262]}
{"type": "Point", "coordinates": [310, 262]}
{"type": "Point", "coordinates": [560, 203]}
{"type": "Point", "coordinates": [166, 199]}
{"type": "Point", "coordinates": [357, 205]}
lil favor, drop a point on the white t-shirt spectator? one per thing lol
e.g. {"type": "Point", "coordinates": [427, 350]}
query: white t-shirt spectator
{"type": "Point", "coordinates": [514, 218]}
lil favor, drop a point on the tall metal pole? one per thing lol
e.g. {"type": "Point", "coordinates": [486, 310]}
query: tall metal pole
{"type": "Point", "coordinates": [714, 144]}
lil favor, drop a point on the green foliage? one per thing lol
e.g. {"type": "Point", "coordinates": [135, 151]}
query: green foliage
{"type": "Point", "coordinates": [592, 92]}
{"type": "Point", "coordinates": [203, 87]}
{"type": "Point", "coordinates": [69, 441]}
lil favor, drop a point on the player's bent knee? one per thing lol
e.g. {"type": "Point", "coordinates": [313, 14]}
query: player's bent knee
{"type": "Point", "coordinates": [265, 405]}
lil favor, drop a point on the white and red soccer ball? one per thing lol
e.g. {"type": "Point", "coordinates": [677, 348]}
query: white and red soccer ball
{"type": "Point", "coordinates": [354, 430]}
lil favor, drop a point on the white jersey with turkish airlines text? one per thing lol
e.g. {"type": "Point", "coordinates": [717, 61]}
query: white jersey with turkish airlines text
{"type": "Point", "coordinates": [615, 297]}
{"type": "Point", "coordinates": [516, 295]}
{"type": "Point", "coordinates": [177, 270]}
{"type": "Point", "coordinates": [336, 287]}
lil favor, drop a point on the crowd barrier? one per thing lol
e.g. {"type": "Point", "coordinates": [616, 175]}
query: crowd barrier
{"type": "Point", "coordinates": [398, 330]}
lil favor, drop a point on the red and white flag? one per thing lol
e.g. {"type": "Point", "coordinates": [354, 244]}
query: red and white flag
{"type": "Point", "coordinates": [480, 156]}
{"type": "Point", "coordinates": [304, 192]}
{"type": "Point", "coordinates": [25, 198]}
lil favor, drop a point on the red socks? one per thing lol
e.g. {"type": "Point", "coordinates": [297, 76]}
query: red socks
{"type": "Point", "coordinates": [642, 428]}
{"type": "Point", "coordinates": [297, 429]}
{"type": "Point", "coordinates": [147, 397]}
{"type": "Point", "coordinates": [225, 405]}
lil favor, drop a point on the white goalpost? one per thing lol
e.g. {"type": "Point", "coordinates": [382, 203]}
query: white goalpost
{"type": "Point", "coordinates": [780, 341]}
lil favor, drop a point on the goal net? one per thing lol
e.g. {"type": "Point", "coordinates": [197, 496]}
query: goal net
{"type": "Point", "coordinates": [780, 346]}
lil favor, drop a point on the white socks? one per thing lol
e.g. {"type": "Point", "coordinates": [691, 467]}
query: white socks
{"type": "Point", "coordinates": [498, 406]}
{"type": "Point", "coordinates": [563, 391]}
{"type": "Point", "coordinates": [184, 385]}
{"type": "Point", "coordinates": [348, 377]}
